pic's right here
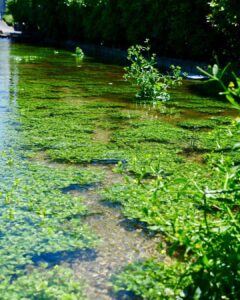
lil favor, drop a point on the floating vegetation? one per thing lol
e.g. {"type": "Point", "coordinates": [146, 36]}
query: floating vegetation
{"type": "Point", "coordinates": [63, 130]}
{"type": "Point", "coordinates": [36, 216]}
{"type": "Point", "coordinates": [210, 123]}
{"type": "Point", "coordinates": [43, 283]}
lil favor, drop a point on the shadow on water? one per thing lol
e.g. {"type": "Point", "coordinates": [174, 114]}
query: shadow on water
{"type": "Point", "coordinates": [133, 225]}
{"type": "Point", "coordinates": [124, 295]}
{"type": "Point", "coordinates": [120, 242]}
{"type": "Point", "coordinates": [110, 204]}
{"type": "Point", "coordinates": [72, 188]}
{"type": "Point", "coordinates": [119, 245]}
{"type": "Point", "coordinates": [108, 161]}
{"type": "Point", "coordinates": [53, 259]}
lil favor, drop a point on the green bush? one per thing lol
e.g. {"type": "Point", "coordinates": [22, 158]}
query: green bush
{"type": "Point", "coordinates": [224, 16]}
{"type": "Point", "coordinates": [144, 74]}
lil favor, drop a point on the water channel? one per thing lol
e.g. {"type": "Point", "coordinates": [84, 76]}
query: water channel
{"type": "Point", "coordinates": [62, 132]}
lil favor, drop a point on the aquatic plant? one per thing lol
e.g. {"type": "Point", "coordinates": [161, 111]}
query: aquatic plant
{"type": "Point", "coordinates": [143, 72]}
{"type": "Point", "coordinates": [200, 225]}
{"type": "Point", "coordinates": [210, 123]}
{"type": "Point", "coordinates": [58, 119]}
{"type": "Point", "coordinates": [57, 283]}
{"type": "Point", "coordinates": [79, 52]}
{"type": "Point", "coordinates": [39, 222]}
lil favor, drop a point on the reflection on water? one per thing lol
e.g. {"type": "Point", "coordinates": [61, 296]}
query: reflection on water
{"type": "Point", "coordinates": [4, 70]}
{"type": "Point", "coordinates": [5, 75]}
{"type": "Point", "coordinates": [8, 86]}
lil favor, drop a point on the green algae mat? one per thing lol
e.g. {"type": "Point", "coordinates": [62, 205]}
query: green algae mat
{"type": "Point", "coordinates": [68, 125]}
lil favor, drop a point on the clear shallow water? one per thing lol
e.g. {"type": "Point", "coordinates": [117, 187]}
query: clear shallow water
{"type": "Point", "coordinates": [31, 74]}
{"type": "Point", "coordinates": [51, 103]}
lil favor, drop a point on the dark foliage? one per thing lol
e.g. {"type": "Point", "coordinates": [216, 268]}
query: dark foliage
{"type": "Point", "coordinates": [175, 28]}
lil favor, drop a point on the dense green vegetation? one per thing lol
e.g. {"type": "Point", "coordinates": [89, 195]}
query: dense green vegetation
{"type": "Point", "coordinates": [200, 224]}
{"type": "Point", "coordinates": [143, 73]}
{"type": "Point", "coordinates": [190, 29]}
{"type": "Point", "coordinates": [65, 117]}
{"type": "Point", "coordinates": [225, 17]}
{"type": "Point", "coordinates": [168, 158]}
{"type": "Point", "coordinates": [42, 228]}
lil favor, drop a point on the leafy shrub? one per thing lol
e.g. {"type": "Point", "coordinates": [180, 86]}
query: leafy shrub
{"type": "Point", "coordinates": [143, 73]}
{"type": "Point", "coordinates": [79, 52]}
